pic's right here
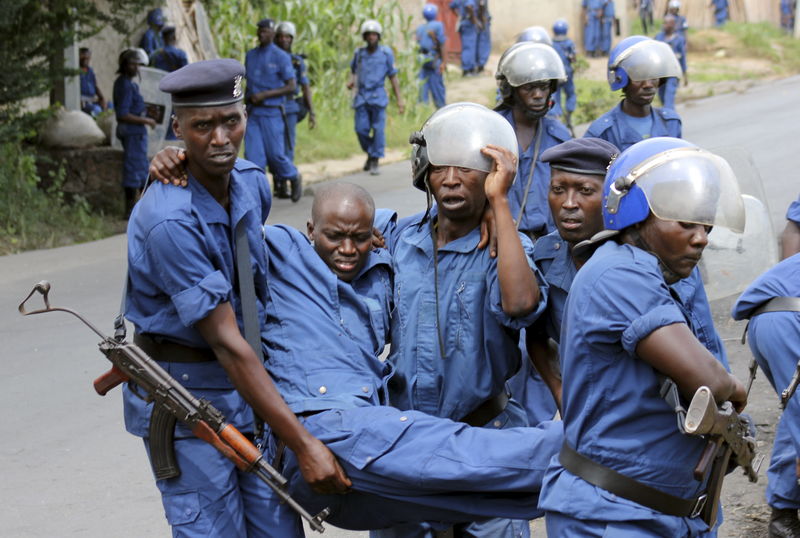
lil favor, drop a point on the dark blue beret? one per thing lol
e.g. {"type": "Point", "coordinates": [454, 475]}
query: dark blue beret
{"type": "Point", "coordinates": [588, 156]}
{"type": "Point", "coordinates": [266, 23]}
{"type": "Point", "coordinates": [206, 83]}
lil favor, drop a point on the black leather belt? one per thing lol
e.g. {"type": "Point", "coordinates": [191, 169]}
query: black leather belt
{"type": "Point", "coordinates": [166, 351]}
{"type": "Point", "coordinates": [486, 411]}
{"type": "Point", "coordinates": [610, 480]}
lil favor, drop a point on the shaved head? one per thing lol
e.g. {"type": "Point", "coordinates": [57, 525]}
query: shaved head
{"type": "Point", "coordinates": [340, 195]}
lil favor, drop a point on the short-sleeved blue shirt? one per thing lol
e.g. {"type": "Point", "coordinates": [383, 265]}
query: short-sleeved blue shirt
{"type": "Point", "coordinates": [612, 127]}
{"type": "Point", "coordinates": [677, 43]}
{"type": "Point", "coordinates": [181, 267]}
{"type": "Point", "coordinates": [426, 43]}
{"type": "Point", "coordinates": [88, 83]}
{"type": "Point", "coordinates": [323, 335]}
{"type": "Point", "coordinates": [613, 412]}
{"type": "Point", "coordinates": [371, 70]}
{"type": "Point", "coordinates": [299, 66]}
{"type": "Point", "coordinates": [267, 68]}
{"type": "Point", "coordinates": [128, 100]}
{"type": "Point", "coordinates": [552, 255]}
{"type": "Point", "coordinates": [170, 58]}
{"type": "Point", "coordinates": [793, 213]}
{"type": "Point", "coordinates": [480, 340]}
{"type": "Point", "coordinates": [151, 41]}
{"type": "Point", "coordinates": [537, 217]}
{"type": "Point", "coordinates": [463, 16]}
{"type": "Point", "coordinates": [565, 48]}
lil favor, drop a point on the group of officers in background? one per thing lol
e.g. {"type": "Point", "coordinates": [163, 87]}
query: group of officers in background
{"type": "Point", "coordinates": [587, 304]}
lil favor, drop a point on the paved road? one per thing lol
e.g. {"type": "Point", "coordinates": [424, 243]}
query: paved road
{"type": "Point", "coordinates": [69, 468]}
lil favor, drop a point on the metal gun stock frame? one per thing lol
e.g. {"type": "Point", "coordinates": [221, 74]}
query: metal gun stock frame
{"type": "Point", "coordinates": [174, 402]}
{"type": "Point", "coordinates": [787, 393]}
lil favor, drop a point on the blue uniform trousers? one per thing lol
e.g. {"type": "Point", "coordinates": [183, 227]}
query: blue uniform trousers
{"type": "Point", "coordinates": [484, 45]}
{"type": "Point", "coordinates": [568, 89]}
{"type": "Point", "coordinates": [291, 126]}
{"type": "Point", "coordinates": [605, 35]}
{"type": "Point", "coordinates": [469, 46]}
{"type": "Point", "coordinates": [211, 498]}
{"type": "Point", "coordinates": [135, 162]}
{"type": "Point", "coordinates": [668, 91]}
{"type": "Point", "coordinates": [433, 83]}
{"type": "Point", "coordinates": [562, 526]}
{"type": "Point", "coordinates": [370, 127]}
{"type": "Point", "coordinates": [408, 467]}
{"type": "Point", "coordinates": [592, 32]}
{"type": "Point", "coordinates": [265, 145]}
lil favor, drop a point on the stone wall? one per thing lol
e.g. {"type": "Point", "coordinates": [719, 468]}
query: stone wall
{"type": "Point", "coordinates": [95, 174]}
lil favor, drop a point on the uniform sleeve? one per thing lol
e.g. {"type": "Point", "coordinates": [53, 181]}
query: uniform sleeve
{"type": "Point", "coordinates": [177, 259]}
{"type": "Point", "coordinates": [385, 222]}
{"type": "Point", "coordinates": [682, 53]}
{"type": "Point", "coordinates": [354, 63]}
{"type": "Point", "coordinates": [440, 35]}
{"type": "Point", "coordinates": [286, 69]}
{"type": "Point", "coordinates": [391, 70]}
{"type": "Point", "coordinates": [123, 98]}
{"type": "Point", "coordinates": [635, 301]}
{"type": "Point", "coordinates": [793, 213]}
{"type": "Point", "coordinates": [303, 79]}
{"type": "Point", "coordinates": [494, 299]}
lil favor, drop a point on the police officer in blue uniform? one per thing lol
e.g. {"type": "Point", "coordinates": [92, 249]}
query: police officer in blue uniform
{"type": "Point", "coordinates": [788, 8]}
{"type": "Point", "coordinates": [335, 286]}
{"type": "Point", "coordinates": [151, 40]}
{"type": "Point", "coordinates": [645, 13]}
{"type": "Point", "coordinates": [370, 68]}
{"type": "Point", "coordinates": [623, 333]}
{"type": "Point", "coordinates": [720, 11]}
{"type": "Point", "coordinates": [187, 310]}
{"type": "Point", "coordinates": [607, 28]}
{"type": "Point", "coordinates": [270, 78]}
{"type": "Point", "coordinates": [170, 57]}
{"type": "Point", "coordinates": [774, 338]}
{"type": "Point", "coordinates": [790, 238]}
{"type": "Point", "coordinates": [298, 104]}
{"type": "Point", "coordinates": [430, 38]}
{"type": "Point", "coordinates": [483, 41]}
{"type": "Point", "coordinates": [592, 14]}
{"type": "Point", "coordinates": [670, 35]}
{"type": "Point", "coordinates": [468, 28]}
{"type": "Point", "coordinates": [458, 311]}
{"type": "Point", "coordinates": [92, 100]}
{"type": "Point", "coordinates": [132, 125]}
{"type": "Point", "coordinates": [577, 170]}
{"type": "Point", "coordinates": [638, 65]}
{"type": "Point", "coordinates": [566, 50]}
{"type": "Point", "coordinates": [681, 24]}
{"type": "Point", "coordinates": [527, 93]}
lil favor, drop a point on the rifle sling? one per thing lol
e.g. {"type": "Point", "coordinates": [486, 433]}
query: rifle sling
{"type": "Point", "coordinates": [610, 480]}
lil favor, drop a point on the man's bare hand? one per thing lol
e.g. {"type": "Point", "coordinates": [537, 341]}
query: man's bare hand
{"type": "Point", "coordinates": [501, 177]}
{"type": "Point", "coordinates": [321, 470]}
{"type": "Point", "coordinates": [378, 241]}
{"type": "Point", "coordinates": [169, 167]}
{"type": "Point", "coordinates": [488, 232]}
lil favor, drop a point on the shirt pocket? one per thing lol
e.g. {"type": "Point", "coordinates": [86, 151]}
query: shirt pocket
{"type": "Point", "coordinates": [465, 311]}
{"type": "Point", "coordinates": [330, 384]}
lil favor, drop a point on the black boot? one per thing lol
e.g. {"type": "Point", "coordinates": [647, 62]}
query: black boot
{"type": "Point", "coordinates": [297, 188]}
{"type": "Point", "coordinates": [783, 523]}
{"type": "Point", "coordinates": [130, 200]}
{"type": "Point", "coordinates": [367, 163]}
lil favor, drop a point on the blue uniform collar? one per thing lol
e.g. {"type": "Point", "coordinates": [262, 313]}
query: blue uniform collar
{"type": "Point", "coordinates": [561, 270]}
{"type": "Point", "coordinates": [242, 201]}
{"type": "Point", "coordinates": [421, 238]}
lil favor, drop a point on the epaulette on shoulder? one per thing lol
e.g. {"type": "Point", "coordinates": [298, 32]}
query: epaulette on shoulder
{"type": "Point", "coordinates": [243, 165]}
{"type": "Point", "coordinates": [668, 114]}
{"type": "Point", "coordinates": [558, 130]}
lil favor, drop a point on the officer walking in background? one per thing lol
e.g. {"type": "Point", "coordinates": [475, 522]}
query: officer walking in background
{"type": "Point", "coordinates": [607, 28]}
{"type": "Point", "coordinates": [592, 15]}
{"type": "Point", "coordinates": [645, 14]}
{"type": "Point", "coordinates": [788, 8]}
{"type": "Point", "coordinates": [170, 57]}
{"type": "Point", "coordinates": [638, 65]}
{"type": "Point", "coordinates": [672, 37]}
{"type": "Point", "coordinates": [468, 28]}
{"type": "Point", "coordinates": [270, 78]}
{"type": "Point", "coordinates": [132, 125]}
{"type": "Point", "coordinates": [369, 69]}
{"type": "Point", "coordinates": [626, 469]}
{"type": "Point", "coordinates": [673, 8]}
{"type": "Point", "coordinates": [483, 44]}
{"type": "Point", "coordinates": [528, 76]}
{"type": "Point", "coordinates": [151, 40]}
{"type": "Point", "coordinates": [566, 50]}
{"type": "Point", "coordinates": [92, 100]}
{"type": "Point", "coordinates": [187, 306]}
{"type": "Point", "coordinates": [299, 104]}
{"type": "Point", "coordinates": [772, 304]}
{"type": "Point", "coordinates": [720, 11]}
{"type": "Point", "coordinates": [430, 39]}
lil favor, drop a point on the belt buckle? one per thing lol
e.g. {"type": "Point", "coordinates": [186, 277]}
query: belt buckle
{"type": "Point", "coordinates": [699, 504]}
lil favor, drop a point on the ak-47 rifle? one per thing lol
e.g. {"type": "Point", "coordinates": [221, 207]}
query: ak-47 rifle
{"type": "Point", "coordinates": [729, 436]}
{"type": "Point", "coordinates": [173, 402]}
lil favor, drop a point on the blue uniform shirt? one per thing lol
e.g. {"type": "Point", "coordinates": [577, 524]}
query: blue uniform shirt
{"type": "Point", "coordinates": [426, 43]}
{"type": "Point", "coordinates": [480, 340]}
{"type": "Point", "coordinates": [299, 66]}
{"type": "Point", "coordinates": [678, 44]}
{"type": "Point", "coordinates": [612, 409]}
{"type": "Point", "coordinates": [552, 255]}
{"type": "Point", "coordinates": [88, 83]}
{"type": "Point", "coordinates": [371, 70]}
{"type": "Point", "coordinates": [267, 68]}
{"type": "Point", "coordinates": [460, 6]}
{"type": "Point", "coordinates": [613, 127]}
{"type": "Point", "coordinates": [332, 363]}
{"type": "Point", "coordinates": [169, 58]}
{"type": "Point", "coordinates": [537, 217]}
{"type": "Point", "coordinates": [151, 41]}
{"type": "Point", "coordinates": [566, 50]}
{"type": "Point", "coordinates": [128, 100]}
{"type": "Point", "coordinates": [181, 266]}
{"type": "Point", "coordinates": [793, 213]}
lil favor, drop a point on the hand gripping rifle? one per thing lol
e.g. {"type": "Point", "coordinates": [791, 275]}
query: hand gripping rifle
{"type": "Point", "coordinates": [173, 402]}
{"type": "Point", "coordinates": [729, 436]}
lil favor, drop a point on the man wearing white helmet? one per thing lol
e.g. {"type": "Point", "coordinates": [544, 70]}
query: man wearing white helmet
{"type": "Point", "coordinates": [369, 69]}
{"type": "Point", "coordinates": [528, 75]}
{"type": "Point", "coordinates": [458, 311]}
{"type": "Point", "coordinates": [673, 8]}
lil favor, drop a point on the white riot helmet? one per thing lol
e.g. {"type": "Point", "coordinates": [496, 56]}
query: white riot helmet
{"type": "Point", "coordinates": [524, 63]}
{"type": "Point", "coordinates": [674, 4]}
{"type": "Point", "coordinates": [535, 34]}
{"type": "Point", "coordinates": [454, 136]}
{"type": "Point", "coordinates": [286, 28]}
{"type": "Point", "coordinates": [371, 25]}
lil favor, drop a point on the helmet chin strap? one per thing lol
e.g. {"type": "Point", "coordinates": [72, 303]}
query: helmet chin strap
{"type": "Point", "coordinates": [670, 276]}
